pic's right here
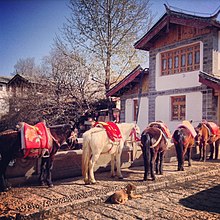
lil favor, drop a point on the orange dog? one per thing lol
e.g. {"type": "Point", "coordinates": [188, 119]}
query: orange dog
{"type": "Point", "coordinates": [122, 196]}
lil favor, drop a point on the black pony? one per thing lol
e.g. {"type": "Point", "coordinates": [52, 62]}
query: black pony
{"type": "Point", "coordinates": [10, 148]}
{"type": "Point", "coordinates": [183, 141]}
{"type": "Point", "coordinates": [154, 142]}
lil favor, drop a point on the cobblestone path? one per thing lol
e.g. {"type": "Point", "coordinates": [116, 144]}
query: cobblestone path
{"type": "Point", "coordinates": [198, 199]}
{"type": "Point", "coordinates": [190, 194]}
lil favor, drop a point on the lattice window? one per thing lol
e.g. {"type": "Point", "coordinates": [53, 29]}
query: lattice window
{"type": "Point", "coordinates": [178, 108]}
{"type": "Point", "coordinates": [180, 60]}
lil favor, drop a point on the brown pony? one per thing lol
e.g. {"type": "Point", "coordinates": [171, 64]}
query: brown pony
{"type": "Point", "coordinates": [154, 145]}
{"type": "Point", "coordinates": [11, 147]}
{"type": "Point", "coordinates": [183, 139]}
{"type": "Point", "coordinates": [207, 133]}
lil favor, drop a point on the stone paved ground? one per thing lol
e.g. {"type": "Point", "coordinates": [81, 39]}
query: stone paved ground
{"type": "Point", "coordinates": [191, 194]}
{"type": "Point", "coordinates": [197, 199]}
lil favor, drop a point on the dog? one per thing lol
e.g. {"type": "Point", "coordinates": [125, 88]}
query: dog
{"type": "Point", "coordinates": [123, 195]}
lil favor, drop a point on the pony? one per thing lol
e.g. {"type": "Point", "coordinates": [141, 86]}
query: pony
{"type": "Point", "coordinates": [184, 139]}
{"type": "Point", "coordinates": [11, 148]}
{"type": "Point", "coordinates": [207, 133]}
{"type": "Point", "coordinates": [97, 142]}
{"type": "Point", "coordinates": [154, 140]}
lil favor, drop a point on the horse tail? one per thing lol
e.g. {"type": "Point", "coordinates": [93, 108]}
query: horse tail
{"type": "Point", "coordinates": [179, 144]}
{"type": "Point", "coordinates": [146, 143]}
{"type": "Point", "coordinates": [86, 154]}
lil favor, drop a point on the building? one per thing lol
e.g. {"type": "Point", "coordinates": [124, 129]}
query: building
{"type": "Point", "coordinates": [15, 85]}
{"type": "Point", "coordinates": [183, 79]}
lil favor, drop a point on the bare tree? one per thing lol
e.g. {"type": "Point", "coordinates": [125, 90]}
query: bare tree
{"type": "Point", "coordinates": [106, 30]}
{"type": "Point", "coordinates": [70, 77]}
{"type": "Point", "coordinates": [26, 67]}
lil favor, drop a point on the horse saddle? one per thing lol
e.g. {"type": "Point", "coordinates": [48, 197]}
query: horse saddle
{"type": "Point", "coordinates": [213, 128]}
{"type": "Point", "coordinates": [111, 128]}
{"type": "Point", "coordinates": [162, 127]}
{"type": "Point", "coordinates": [34, 140]}
{"type": "Point", "coordinates": [186, 124]}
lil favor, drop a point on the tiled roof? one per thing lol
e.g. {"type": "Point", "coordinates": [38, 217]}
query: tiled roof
{"type": "Point", "coordinates": [212, 81]}
{"type": "Point", "coordinates": [4, 79]}
{"type": "Point", "coordinates": [128, 79]}
{"type": "Point", "coordinates": [176, 17]}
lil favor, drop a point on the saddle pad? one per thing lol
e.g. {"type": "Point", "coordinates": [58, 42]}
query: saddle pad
{"type": "Point", "coordinates": [188, 125]}
{"type": "Point", "coordinates": [164, 128]}
{"type": "Point", "coordinates": [34, 139]}
{"type": "Point", "coordinates": [111, 128]}
{"type": "Point", "coordinates": [214, 128]}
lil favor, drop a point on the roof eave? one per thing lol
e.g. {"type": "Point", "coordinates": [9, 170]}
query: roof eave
{"type": "Point", "coordinates": [174, 18]}
{"type": "Point", "coordinates": [129, 78]}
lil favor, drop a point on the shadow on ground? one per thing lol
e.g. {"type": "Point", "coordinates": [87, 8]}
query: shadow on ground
{"type": "Point", "coordinates": [207, 200]}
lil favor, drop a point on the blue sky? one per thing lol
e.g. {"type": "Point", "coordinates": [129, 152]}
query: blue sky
{"type": "Point", "coordinates": [28, 27]}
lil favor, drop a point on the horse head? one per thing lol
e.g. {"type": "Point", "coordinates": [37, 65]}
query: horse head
{"type": "Point", "coordinates": [201, 132]}
{"type": "Point", "coordinates": [135, 132]}
{"type": "Point", "coordinates": [72, 139]}
{"type": "Point", "coordinates": [61, 133]}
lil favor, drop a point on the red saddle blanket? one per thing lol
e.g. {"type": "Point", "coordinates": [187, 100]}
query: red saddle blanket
{"type": "Point", "coordinates": [214, 128]}
{"type": "Point", "coordinates": [111, 128]}
{"type": "Point", "coordinates": [34, 139]}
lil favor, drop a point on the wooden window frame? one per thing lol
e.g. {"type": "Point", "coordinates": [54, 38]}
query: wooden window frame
{"type": "Point", "coordinates": [178, 108]}
{"type": "Point", "coordinates": [191, 54]}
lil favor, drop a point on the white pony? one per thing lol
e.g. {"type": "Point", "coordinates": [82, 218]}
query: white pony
{"type": "Point", "coordinates": [96, 142]}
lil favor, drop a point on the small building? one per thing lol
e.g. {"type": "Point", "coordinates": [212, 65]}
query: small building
{"type": "Point", "coordinates": [183, 79]}
{"type": "Point", "coordinates": [17, 86]}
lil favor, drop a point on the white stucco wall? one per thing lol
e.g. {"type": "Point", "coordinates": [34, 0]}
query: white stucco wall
{"type": "Point", "coordinates": [143, 112]}
{"type": "Point", "coordinates": [193, 109]}
{"type": "Point", "coordinates": [180, 80]}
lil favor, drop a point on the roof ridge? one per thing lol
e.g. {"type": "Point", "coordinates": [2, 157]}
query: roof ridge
{"type": "Point", "coordinates": [176, 10]}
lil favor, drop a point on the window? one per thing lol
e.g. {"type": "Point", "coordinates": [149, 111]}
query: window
{"type": "Point", "coordinates": [183, 59]}
{"type": "Point", "coordinates": [135, 109]}
{"type": "Point", "coordinates": [178, 108]}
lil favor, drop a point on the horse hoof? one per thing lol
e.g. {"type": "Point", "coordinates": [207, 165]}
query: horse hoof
{"type": "Point", "coordinates": [153, 179]}
{"type": "Point", "coordinates": [120, 177]}
{"type": "Point", "coordinates": [5, 189]}
{"type": "Point", "coordinates": [42, 184]}
{"type": "Point", "coordinates": [50, 185]}
{"type": "Point", "coordinates": [93, 182]}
